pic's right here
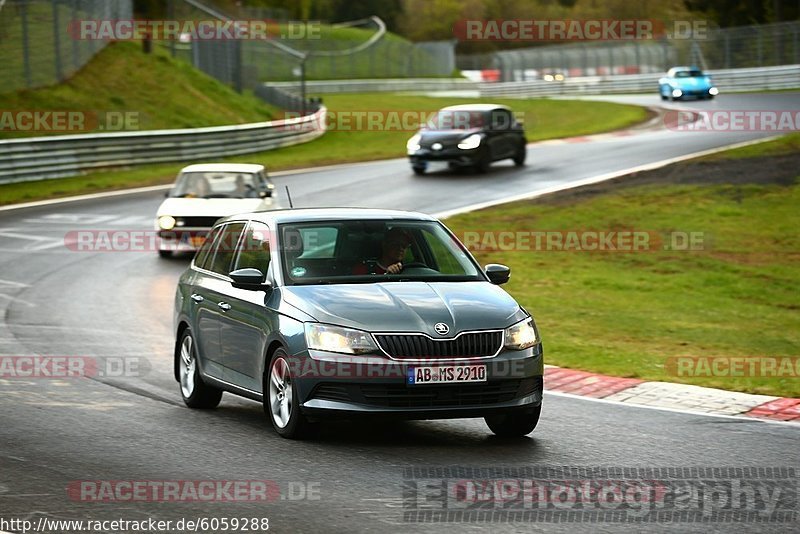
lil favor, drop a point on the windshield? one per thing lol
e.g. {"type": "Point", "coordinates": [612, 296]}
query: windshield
{"type": "Point", "coordinates": [217, 185]}
{"type": "Point", "coordinates": [457, 120]}
{"type": "Point", "coordinates": [344, 252]}
{"type": "Point", "coordinates": [688, 74]}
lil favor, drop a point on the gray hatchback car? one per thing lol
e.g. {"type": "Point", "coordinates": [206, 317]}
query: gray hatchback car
{"type": "Point", "coordinates": [322, 313]}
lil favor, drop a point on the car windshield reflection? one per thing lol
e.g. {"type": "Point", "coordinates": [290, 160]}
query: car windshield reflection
{"type": "Point", "coordinates": [344, 252]}
{"type": "Point", "coordinates": [215, 185]}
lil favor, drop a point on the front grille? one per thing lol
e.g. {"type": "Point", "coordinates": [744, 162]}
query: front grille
{"type": "Point", "coordinates": [197, 222]}
{"type": "Point", "coordinates": [442, 396]}
{"type": "Point", "coordinates": [471, 345]}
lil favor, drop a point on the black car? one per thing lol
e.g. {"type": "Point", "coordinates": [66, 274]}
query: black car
{"type": "Point", "coordinates": [471, 136]}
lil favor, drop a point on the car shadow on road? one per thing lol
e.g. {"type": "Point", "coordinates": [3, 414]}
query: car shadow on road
{"type": "Point", "coordinates": [462, 434]}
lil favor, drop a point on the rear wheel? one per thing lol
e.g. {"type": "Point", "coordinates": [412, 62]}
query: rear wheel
{"type": "Point", "coordinates": [521, 154]}
{"type": "Point", "coordinates": [281, 402]}
{"type": "Point", "coordinates": [515, 423]}
{"type": "Point", "coordinates": [195, 392]}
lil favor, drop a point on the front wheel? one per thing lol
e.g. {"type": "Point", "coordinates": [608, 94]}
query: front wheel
{"type": "Point", "coordinates": [515, 423]}
{"type": "Point", "coordinates": [164, 253]}
{"type": "Point", "coordinates": [195, 392]}
{"type": "Point", "coordinates": [418, 170]}
{"type": "Point", "coordinates": [484, 161]}
{"type": "Point", "coordinates": [281, 403]}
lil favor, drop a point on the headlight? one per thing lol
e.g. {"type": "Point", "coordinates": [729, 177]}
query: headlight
{"type": "Point", "coordinates": [337, 339]}
{"type": "Point", "coordinates": [713, 91]}
{"type": "Point", "coordinates": [677, 93]}
{"type": "Point", "coordinates": [471, 142]}
{"type": "Point", "coordinates": [165, 222]}
{"type": "Point", "coordinates": [521, 336]}
{"type": "Point", "coordinates": [413, 143]}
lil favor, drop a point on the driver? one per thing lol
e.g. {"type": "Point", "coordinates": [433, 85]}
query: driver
{"type": "Point", "coordinates": [393, 250]}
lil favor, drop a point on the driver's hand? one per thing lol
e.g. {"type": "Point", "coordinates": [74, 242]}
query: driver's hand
{"type": "Point", "coordinates": [394, 268]}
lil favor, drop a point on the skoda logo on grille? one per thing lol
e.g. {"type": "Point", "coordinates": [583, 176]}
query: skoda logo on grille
{"type": "Point", "coordinates": [441, 329]}
{"type": "Point", "coordinates": [437, 146]}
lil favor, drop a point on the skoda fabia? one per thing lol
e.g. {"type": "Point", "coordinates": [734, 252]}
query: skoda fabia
{"type": "Point", "coordinates": [325, 313]}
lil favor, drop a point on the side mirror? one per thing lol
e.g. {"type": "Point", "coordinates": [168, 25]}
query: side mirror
{"type": "Point", "coordinates": [498, 274]}
{"type": "Point", "coordinates": [250, 279]}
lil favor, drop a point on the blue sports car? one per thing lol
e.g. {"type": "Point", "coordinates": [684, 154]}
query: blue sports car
{"type": "Point", "coordinates": [681, 82]}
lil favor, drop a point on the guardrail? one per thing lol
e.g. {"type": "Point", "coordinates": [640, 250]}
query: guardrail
{"type": "Point", "coordinates": [379, 85]}
{"type": "Point", "coordinates": [60, 156]}
{"type": "Point", "coordinates": [785, 77]}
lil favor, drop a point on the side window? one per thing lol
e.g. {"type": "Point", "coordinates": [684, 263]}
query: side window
{"type": "Point", "coordinates": [202, 258]}
{"type": "Point", "coordinates": [501, 119]}
{"type": "Point", "coordinates": [254, 250]}
{"type": "Point", "coordinates": [225, 248]}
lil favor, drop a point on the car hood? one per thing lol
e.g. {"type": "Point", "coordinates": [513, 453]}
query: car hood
{"type": "Point", "coordinates": [408, 306]}
{"type": "Point", "coordinates": [211, 207]}
{"type": "Point", "coordinates": [428, 137]}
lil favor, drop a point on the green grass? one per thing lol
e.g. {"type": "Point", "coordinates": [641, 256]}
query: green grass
{"type": "Point", "coordinates": [626, 313]}
{"type": "Point", "coordinates": [786, 144]}
{"type": "Point", "coordinates": [163, 92]}
{"type": "Point", "coordinates": [543, 118]}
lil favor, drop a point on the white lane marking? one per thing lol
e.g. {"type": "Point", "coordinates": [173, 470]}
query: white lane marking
{"type": "Point", "coordinates": [598, 178]}
{"type": "Point", "coordinates": [675, 410]}
{"type": "Point", "coordinates": [11, 283]}
{"type": "Point", "coordinates": [17, 300]}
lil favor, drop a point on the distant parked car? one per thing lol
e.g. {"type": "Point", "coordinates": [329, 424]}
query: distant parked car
{"type": "Point", "coordinates": [681, 82]}
{"type": "Point", "coordinates": [203, 194]}
{"type": "Point", "coordinates": [473, 135]}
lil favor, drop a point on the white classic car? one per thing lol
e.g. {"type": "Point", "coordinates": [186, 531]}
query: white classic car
{"type": "Point", "coordinates": [202, 194]}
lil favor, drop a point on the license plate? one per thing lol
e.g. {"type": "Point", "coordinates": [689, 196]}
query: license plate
{"type": "Point", "coordinates": [446, 374]}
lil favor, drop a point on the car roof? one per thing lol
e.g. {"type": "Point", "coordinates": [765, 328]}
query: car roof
{"type": "Point", "coordinates": [475, 107]}
{"type": "Point", "coordinates": [676, 69]}
{"type": "Point", "coordinates": [224, 167]}
{"type": "Point", "coordinates": [328, 214]}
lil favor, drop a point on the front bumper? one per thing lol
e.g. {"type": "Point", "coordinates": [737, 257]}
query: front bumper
{"type": "Point", "coordinates": [378, 387]}
{"type": "Point", "coordinates": [182, 239]}
{"type": "Point", "coordinates": [457, 156]}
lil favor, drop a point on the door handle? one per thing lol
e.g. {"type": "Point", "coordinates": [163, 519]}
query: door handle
{"type": "Point", "coordinates": [197, 298]}
{"type": "Point", "coordinates": [224, 306]}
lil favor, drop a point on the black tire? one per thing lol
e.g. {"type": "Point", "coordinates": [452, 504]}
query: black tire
{"type": "Point", "coordinates": [664, 97]}
{"type": "Point", "coordinates": [195, 393]}
{"type": "Point", "coordinates": [519, 157]}
{"type": "Point", "coordinates": [484, 161]}
{"type": "Point", "coordinates": [164, 253]}
{"type": "Point", "coordinates": [514, 424]}
{"type": "Point", "coordinates": [297, 425]}
{"type": "Point", "coordinates": [418, 170]}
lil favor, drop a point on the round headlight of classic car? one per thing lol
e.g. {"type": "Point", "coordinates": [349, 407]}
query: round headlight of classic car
{"type": "Point", "coordinates": [166, 222]}
{"type": "Point", "coordinates": [713, 91]}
